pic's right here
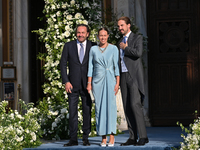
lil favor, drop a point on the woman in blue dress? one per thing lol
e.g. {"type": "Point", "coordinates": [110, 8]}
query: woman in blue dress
{"type": "Point", "coordinates": [103, 80]}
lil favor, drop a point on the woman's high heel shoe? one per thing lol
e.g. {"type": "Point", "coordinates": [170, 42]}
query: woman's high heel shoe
{"type": "Point", "coordinates": [110, 144]}
{"type": "Point", "coordinates": [102, 144]}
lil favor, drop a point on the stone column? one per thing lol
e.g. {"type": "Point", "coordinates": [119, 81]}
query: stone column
{"type": "Point", "coordinates": [1, 50]}
{"type": "Point", "coordinates": [121, 7]}
{"type": "Point", "coordinates": [21, 50]}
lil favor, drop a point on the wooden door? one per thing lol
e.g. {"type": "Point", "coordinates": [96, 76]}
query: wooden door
{"type": "Point", "coordinates": [173, 58]}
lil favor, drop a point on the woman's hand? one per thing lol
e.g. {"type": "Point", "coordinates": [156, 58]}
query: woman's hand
{"type": "Point", "coordinates": [89, 84]}
{"type": "Point", "coordinates": [89, 87]}
{"type": "Point", "coordinates": [116, 88]}
{"type": "Point", "coordinates": [116, 85]}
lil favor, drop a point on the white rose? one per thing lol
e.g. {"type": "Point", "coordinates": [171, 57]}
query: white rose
{"type": "Point", "coordinates": [86, 5]}
{"type": "Point", "coordinates": [67, 34]}
{"type": "Point", "coordinates": [67, 116]}
{"type": "Point", "coordinates": [12, 116]}
{"type": "Point", "coordinates": [67, 27]}
{"type": "Point", "coordinates": [27, 130]}
{"type": "Point", "coordinates": [56, 112]}
{"type": "Point", "coordinates": [78, 15]}
{"type": "Point", "coordinates": [53, 7]}
{"type": "Point", "coordinates": [33, 136]}
{"type": "Point", "coordinates": [64, 6]}
{"type": "Point", "coordinates": [64, 110]}
{"type": "Point", "coordinates": [57, 120]}
{"type": "Point", "coordinates": [54, 124]}
{"type": "Point", "coordinates": [69, 17]}
{"type": "Point", "coordinates": [72, 2]}
{"type": "Point", "coordinates": [58, 13]}
{"type": "Point", "coordinates": [85, 22]}
{"type": "Point", "coordinates": [56, 26]}
{"type": "Point", "coordinates": [19, 139]}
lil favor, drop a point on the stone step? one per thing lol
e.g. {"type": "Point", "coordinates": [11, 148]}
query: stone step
{"type": "Point", "coordinates": [160, 138]}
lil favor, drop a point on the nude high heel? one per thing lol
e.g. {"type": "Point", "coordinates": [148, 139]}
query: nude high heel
{"type": "Point", "coordinates": [102, 144]}
{"type": "Point", "coordinates": [110, 144]}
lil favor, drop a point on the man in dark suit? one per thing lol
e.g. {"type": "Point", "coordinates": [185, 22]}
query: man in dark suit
{"type": "Point", "coordinates": [132, 82]}
{"type": "Point", "coordinates": [75, 55]}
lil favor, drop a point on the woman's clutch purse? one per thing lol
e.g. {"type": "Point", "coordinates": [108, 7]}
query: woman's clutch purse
{"type": "Point", "coordinates": [92, 96]}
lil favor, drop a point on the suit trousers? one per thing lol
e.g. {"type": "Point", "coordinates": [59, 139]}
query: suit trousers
{"type": "Point", "coordinates": [131, 98]}
{"type": "Point", "coordinates": [73, 99]}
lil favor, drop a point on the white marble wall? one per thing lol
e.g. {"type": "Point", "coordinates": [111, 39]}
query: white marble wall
{"type": "Point", "coordinates": [136, 9]}
{"type": "Point", "coordinates": [21, 52]}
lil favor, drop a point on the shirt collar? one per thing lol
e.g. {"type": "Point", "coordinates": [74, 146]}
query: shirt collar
{"type": "Point", "coordinates": [127, 35]}
{"type": "Point", "coordinates": [84, 43]}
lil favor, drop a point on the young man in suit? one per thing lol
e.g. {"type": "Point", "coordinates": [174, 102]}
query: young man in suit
{"type": "Point", "coordinates": [76, 54]}
{"type": "Point", "coordinates": [132, 82]}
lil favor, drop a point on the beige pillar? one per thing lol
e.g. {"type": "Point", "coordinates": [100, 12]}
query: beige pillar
{"type": "Point", "coordinates": [21, 49]}
{"type": "Point", "coordinates": [1, 50]}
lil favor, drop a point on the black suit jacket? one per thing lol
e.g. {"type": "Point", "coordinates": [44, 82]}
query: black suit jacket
{"type": "Point", "coordinates": [77, 72]}
{"type": "Point", "coordinates": [133, 59]}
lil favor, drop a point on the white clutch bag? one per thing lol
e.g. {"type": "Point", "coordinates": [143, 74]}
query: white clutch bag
{"type": "Point", "coordinates": [92, 96]}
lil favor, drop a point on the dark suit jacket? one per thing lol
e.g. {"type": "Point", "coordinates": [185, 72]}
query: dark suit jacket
{"type": "Point", "coordinates": [77, 72]}
{"type": "Point", "coordinates": [133, 60]}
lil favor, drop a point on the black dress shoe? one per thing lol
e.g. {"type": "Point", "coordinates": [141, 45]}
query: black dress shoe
{"type": "Point", "coordinates": [86, 143]}
{"type": "Point", "coordinates": [71, 143]}
{"type": "Point", "coordinates": [142, 141]}
{"type": "Point", "coordinates": [129, 142]}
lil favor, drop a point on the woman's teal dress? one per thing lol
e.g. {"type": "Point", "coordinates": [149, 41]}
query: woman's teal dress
{"type": "Point", "coordinates": [103, 68]}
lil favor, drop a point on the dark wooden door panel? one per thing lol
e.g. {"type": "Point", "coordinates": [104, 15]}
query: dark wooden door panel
{"type": "Point", "coordinates": [173, 27]}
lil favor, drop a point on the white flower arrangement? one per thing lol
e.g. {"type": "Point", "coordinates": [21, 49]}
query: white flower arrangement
{"type": "Point", "coordinates": [17, 130]}
{"type": "Point", "coordinates": [191, 140]}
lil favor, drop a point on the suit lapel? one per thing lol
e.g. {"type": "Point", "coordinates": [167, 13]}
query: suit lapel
{"type": "Point", "coordinates": [130, 41]}
{"type": "Point", "coordinates": [131, 37]}
{"type": "Point", "coordinates": [119, 42]}
{"type": "Point", "coordinates": [75, 50]}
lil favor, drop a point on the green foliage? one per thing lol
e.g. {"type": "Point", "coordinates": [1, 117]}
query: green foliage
{"type": "Point", "coordinates": [191, 141]}
{"type": "Point", "coordinates": [19, 130]}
